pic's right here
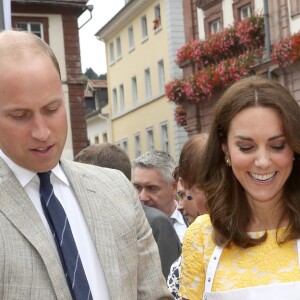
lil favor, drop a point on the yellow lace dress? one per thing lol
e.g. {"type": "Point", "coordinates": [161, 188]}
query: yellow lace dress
{"type": "Point", "coordinates": [238, 268]}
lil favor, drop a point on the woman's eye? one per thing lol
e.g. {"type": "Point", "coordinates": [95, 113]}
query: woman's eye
{"type": "Point", "coordinates": [245, 148]}
{"type": "Point", "coordinates": [279, 147]}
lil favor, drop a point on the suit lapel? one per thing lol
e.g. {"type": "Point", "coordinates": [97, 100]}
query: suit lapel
{"type": "Point", "coordinates": [97, 216]}
{"type": "Point", "coordinates": [18, 208]}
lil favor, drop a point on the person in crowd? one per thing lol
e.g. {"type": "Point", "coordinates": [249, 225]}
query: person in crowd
{"type": "Point", "coordinates": [68, 230]}
{"type": "Point", "coordinates": [191, 199]}
{"type": "Point", "coordinates": [167, 240]}
{"type": "Point", "coordinates": [106, 155]}
{"type": "Point", "coordinates": [156, 186]}
{"type": "Point", "coordinates": [248, 246]}
{"type": "Point", "coordinates": [111, 156]}
{"type": "Point", "coordinates": [193, 204]}
{"type": "Point", "coordinates": [185, 204]}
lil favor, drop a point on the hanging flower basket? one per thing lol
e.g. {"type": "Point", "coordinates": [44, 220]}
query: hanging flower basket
{"type": "Point", "coordinates": [232, 41]}
{"type": "Point", "coordinates": [221, 59]}
{"type": "Point", "coordinates": [287, 51]}
{"type": "Point", "coordinates": [212, 79]}
{"type": "Point", "coordinates": [180, 115]}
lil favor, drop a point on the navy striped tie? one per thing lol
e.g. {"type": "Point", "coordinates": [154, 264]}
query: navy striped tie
{"type": "Point", "coordinates": [64, 240]}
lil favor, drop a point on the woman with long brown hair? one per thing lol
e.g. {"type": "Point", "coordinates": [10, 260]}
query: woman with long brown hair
{"type": "Point", "coordinates": [248, 247]}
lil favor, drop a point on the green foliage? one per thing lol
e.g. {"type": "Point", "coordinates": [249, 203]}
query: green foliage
{"type": "Point", "coordinates": [91, 74]}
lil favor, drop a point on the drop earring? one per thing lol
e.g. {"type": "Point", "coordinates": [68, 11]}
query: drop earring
{"type": "Point", "coordinates": [227, 160]}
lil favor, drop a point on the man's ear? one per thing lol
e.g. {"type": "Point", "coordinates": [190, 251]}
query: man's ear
{"type": "Point", "coordinates": [174, 186]}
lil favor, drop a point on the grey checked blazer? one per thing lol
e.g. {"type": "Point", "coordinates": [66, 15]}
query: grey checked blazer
{"type": "Point", "coordinates": [29, 265]}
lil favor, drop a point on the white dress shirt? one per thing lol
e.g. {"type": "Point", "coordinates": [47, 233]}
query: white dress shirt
{"type": "Point", "coordinates": [64, 193]}
{"type": "Point", "coordinates": [179, 225]}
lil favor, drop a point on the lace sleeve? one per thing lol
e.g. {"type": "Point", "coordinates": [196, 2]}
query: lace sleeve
{"type": "Point", "coordinates": [192, 273]}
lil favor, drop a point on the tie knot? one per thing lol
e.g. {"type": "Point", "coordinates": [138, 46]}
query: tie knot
{"type": "Point", "coordinates": [44, 177]}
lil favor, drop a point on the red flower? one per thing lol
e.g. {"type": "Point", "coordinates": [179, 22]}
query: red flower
{"type": "Point", "coordinates": [287, 51]}
{"type": "Point", "coordinates": [221, 59]}
{"type": "Point", "coordinates": [180, 115]}
{"type": "Point", "coordinates": [156, 23]}
{"type": "Point", "coordinates": [232, 41]}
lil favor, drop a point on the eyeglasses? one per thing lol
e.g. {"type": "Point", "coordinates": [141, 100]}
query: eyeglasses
{"type": "Point", "coordinates": [181, 195]}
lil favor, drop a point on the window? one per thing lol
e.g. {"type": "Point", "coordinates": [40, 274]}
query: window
{"type": "Point", "coordinates": [130, 38]}
{"type": "Point", "coordinates": [122, 100]}
{"type": "Point", "coordinates": [242, 9]}
{"type": "Point", "coordinates": [119, 48]}
{"type": "Point", "coordinates": [104, 137]}
{"type": "Point", "coordinates": [111, 53]}
{"type": "Point", "coordinates": [294, 7]}
{"type": "Point", "coordinates": [134, 90]}
{"type": "Point", "coordinates": [38, 26]}
{"type": "Point", "coordinates": [137, 145]}
{"type": "Point", "coordinates": [148, 90]}
{"type": "Point", "coordinates": [245, 12]}
{"type": "Point", "coordinates": [213, 15]}
{"type": "Point", "coordinates": [123, 145]}
{"type": "Point", "coordinates": [161, 76]}
{"type": "Point", "coordinates": [115, 101]}
{"type": "Point", "coordinates": [150, 139]}
{"type": "Point", "coordinates": [144, 28]}
{"type": "Point", "coordinates": [164, 137]}
{"type": "Point", "coordinates": [157, 17]}
{"type": "Point", "coordinates": [215, 26]}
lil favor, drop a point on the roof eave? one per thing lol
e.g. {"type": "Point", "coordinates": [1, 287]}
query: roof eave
{"type": "Point", "coordinates": [125, 15]}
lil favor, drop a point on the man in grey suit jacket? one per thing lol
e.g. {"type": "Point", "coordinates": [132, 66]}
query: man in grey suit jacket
{"type": "Point", "coordinates": [167, 240]}
{"type": "Point", "coordinates": [114, 240]}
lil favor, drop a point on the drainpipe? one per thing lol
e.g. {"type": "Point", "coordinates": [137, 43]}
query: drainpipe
{"type": "Point", "coordinates": [5, 14]}
{"type": "Point", "coordinates": [267, 35]}
{"type": "Point", "coordinates": [2, 26]}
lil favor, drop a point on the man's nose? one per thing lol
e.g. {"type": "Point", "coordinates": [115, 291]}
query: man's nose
{"type": "Point", "coordinates": [180, 205]}
{"type": "Point", "coordinates": [143, 195]}
{"type": "Point", "coordinates": [40, 130]}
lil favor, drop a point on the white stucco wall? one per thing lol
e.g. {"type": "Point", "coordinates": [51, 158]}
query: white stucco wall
{"type": "Point", "coordinates": [294, 21]}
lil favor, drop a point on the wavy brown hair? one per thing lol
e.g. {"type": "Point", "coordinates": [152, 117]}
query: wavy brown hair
{"type": "Point", "coordinates": [226, 199]}
{"type": "Point", "coordinates": [188, 165]}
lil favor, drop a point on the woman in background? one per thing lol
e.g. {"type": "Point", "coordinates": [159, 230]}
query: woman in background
{"type": "Point", "coordinates": [191, 199]}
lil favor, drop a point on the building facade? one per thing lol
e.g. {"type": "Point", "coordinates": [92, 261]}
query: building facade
{"type": "Point", "coordinates": [141, 43]}
{"type": "Point", "coordinates": [281, 21]}
{"type": "Point", "coordinates": [97, 112]}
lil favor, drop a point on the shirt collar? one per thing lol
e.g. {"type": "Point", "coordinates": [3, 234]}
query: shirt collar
{"type": "Point", "coordinates": [177, 215]}
{"type": "Point", "coordinates": [24, 176]}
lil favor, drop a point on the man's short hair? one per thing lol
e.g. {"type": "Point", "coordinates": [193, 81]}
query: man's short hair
{"type": "Point", "coordinates": [159, 160]}
{"type": "Point", "coordinates": [106, 155]}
